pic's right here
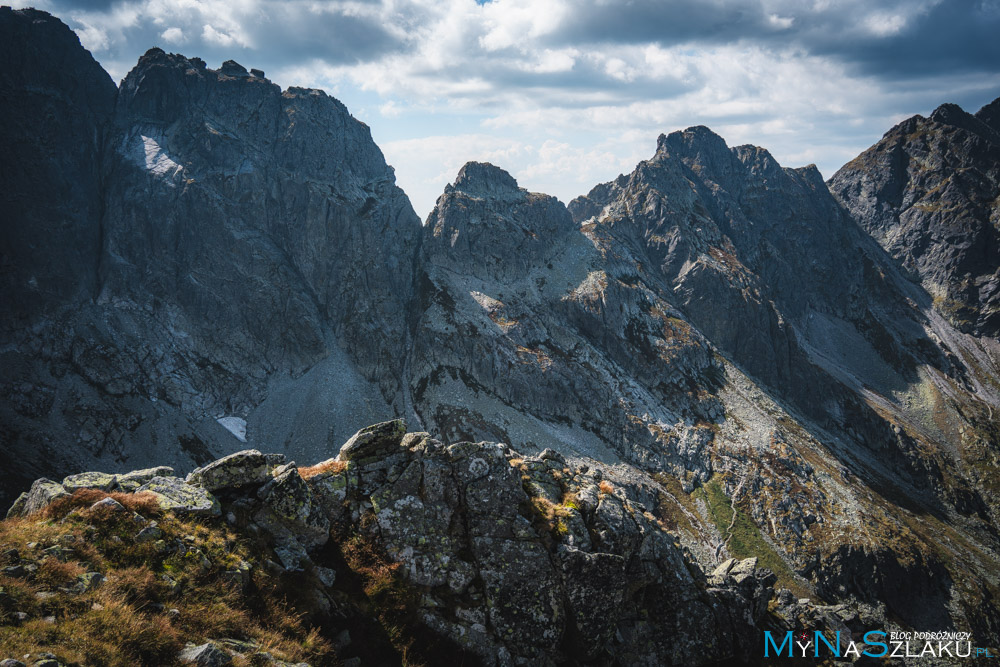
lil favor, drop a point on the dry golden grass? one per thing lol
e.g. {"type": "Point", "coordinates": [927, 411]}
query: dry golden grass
{"type": "Point", "coordinates": [124, 621]}
{"type": "Point", "coordinates": [144, 503]}
{"type": "Point", "coordinates": [53, 573]}
{"type": "Point", "coordinates": [606, 487]}
{"type": "Point", "coordinates": [331, 465]}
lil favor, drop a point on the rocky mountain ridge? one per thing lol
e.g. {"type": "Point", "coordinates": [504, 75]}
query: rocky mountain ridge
{"type": "Point", "coordinates": [511, 560]}
{"type": "Point", "coordinates": [928, 192]}
{"type": "Point", "coordinates": [717, 333]}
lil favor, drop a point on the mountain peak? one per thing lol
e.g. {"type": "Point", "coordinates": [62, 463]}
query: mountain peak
{"type": "Point", "coordinates": [482, 179]}
{"type": "Point", "coordinates": [694, 139]}
{"type": "Point", "coordinates": [949, 113]}
{"type": "Point", "coordinates": [990, 114]}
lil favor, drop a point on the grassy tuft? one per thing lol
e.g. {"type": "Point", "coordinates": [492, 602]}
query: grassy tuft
{"type": "Point", "coordinates": [331, 465]}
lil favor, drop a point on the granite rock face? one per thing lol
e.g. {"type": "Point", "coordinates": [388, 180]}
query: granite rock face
{"type": "Point", "coordinates": [764, 263]}
{"type": "Point", "coordinates": [56, 100]}
{"type": "Point", "coordinates": [521, 333]}
{"type": "Point", "coordinates": [927, 192]}
{"type": "Point", "coordinates": [179, 253]}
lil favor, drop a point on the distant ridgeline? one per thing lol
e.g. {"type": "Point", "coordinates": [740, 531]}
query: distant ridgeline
{"type": "Point", "coordinates": [709, 360]}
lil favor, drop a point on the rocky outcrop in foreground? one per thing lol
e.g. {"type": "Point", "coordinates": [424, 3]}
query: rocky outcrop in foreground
{"type": "Point", "coordinates": [484, 553]}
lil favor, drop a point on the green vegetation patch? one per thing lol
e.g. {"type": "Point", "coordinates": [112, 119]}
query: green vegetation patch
{"type": "Point", "coordinates": [745, 539]}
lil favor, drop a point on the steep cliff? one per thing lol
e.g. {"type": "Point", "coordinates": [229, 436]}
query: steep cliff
{"type": "Point", "coordinates": [183, 250]}
{"type": "Point", "coordinates": [928, 193]}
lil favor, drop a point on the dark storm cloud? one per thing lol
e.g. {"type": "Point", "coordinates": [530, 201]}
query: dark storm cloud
{"type": "Point", "coordinates": [335, 38]}
{"type": "Point", "coordinates": [271, 34]}
{"type": "Point", "coordinates": [85, 5]}
{"type": "Point", "coordinates": [957, 35]}
{"type": "Point", "coordinates": [953, 37]}
{"type": "Point", "coordinates": [642, 21]}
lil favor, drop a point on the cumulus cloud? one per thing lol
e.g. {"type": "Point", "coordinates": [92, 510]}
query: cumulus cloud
{"type": "Point", "coordinates": [173, 36]}
{"type": "Point", "coordinates": [566, 93]}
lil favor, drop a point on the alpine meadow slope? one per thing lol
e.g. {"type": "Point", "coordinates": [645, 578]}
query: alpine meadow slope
{"type": "Point", "coordinates": [713, 357]}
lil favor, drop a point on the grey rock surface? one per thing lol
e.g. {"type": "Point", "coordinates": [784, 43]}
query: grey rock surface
{"type": "Point", "coordinates": [927, 192]}
{"type": "Point", "coordinates": [131, 481]}
{"type": "Point", "coordinates": [243, 468]}
{"type": "Point", "coordinates": [216, 246]}
{"type": "Point", "coordinates": [43, 491]}
{"type": "Point", "coordinates": [497, 572]}
{"type": "Point", "coordinates": [90, 480]}
{"type": "Point", "coordinates": [205, 655]}
{"type": "Point", "coordinates": [177, 496]}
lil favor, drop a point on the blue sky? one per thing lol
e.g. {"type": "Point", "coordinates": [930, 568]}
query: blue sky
{"type": "Point", "coordinates": [565, 94]}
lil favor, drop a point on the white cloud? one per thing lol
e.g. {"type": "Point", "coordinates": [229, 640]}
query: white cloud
{"type": "Point", "coordinates": [173, 36]}
{"type": "Point", "coordinates": [390, 110]}
{"type": "Point", "coordinates": [515, 23]}
{"type": "Point", "coordinates": [883, 24]}
{"type": "Point", "coordinates": [92, 37]}
{"type": "Point", "coordinates": [780, 22]}
{"type": "Point", "coordinates": [213, 36]}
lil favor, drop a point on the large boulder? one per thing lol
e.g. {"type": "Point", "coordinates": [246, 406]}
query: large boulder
{"type": "Point", "coordinates": [90, 480]}
{"type": "Point", "coordinates": [177, 496]}
{"type": "Point", "coordinates": [246, 468]}
{"type": "Point", "coordinates": [42, 492]}
{"type": "Point", "coordinates": [17, 508]}
{"type": "Point", "coordinates": [131, 481]}
{"type": "Point", "coordinates": [374, 441]}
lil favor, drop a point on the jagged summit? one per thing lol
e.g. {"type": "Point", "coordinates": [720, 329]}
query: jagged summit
{"type": "Point", "coordinates": [955, 116]}
{"type": "Point", "coordinates": [927, 192]}
{"type": "Point", "coordinates": [695, 139]}
{"type": "Point", "coordinates": [482, 179]}
{"type": "Point", "coordinates": [990, 114]}
{"type": "Point", "coordinates": [207, 220]}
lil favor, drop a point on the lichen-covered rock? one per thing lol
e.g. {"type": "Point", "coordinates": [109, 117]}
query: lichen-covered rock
{"type": "Point", "coordinates": [131, 481]}
{"type": "Point", "coordinates": [90, 480]}
{"type": "Point", "coordinates": [108, 505]}
{"type": "Point", "coordinates": [464, 522]}
{"type": "Point", "coordinates": [175, 495]}
{"type": "Point", "coordinates": [205, 655]}
{"type": "Point", "coordinates": [374, 441]}
{"type": "Point", "coordinates": [90, 580]}
{"type": "Point", "coordinates": [42, 492]}
{"type": "Point", "coordinates": [17, 508]}
{"type": "Point", "coordinates": [289, 507]}
{"type": "Point", "coordinates": [245, 468]}
{"type": "Point", "coordinates": [595, 584]}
